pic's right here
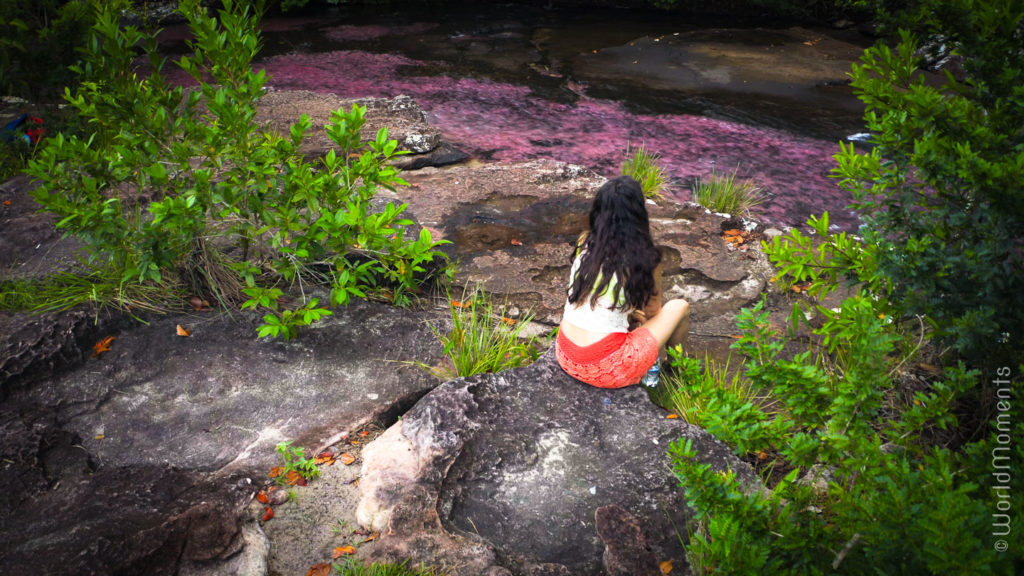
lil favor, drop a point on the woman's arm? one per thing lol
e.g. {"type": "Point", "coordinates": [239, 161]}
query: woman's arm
{"type": "Point", "coordinates": [653, 305]}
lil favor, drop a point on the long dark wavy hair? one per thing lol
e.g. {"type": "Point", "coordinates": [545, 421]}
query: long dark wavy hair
{"type": "Point", "coordinates": [618, 245]}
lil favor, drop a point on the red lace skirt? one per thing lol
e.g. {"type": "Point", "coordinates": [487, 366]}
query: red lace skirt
{"type": "Point", "coordinates": [617, 360]}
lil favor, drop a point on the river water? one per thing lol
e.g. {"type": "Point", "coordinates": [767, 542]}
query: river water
{"type": "Point", "coordinates": [508, 83]}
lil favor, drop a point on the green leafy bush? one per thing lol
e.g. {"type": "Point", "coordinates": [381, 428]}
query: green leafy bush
{"type": "Point", "coordinates": [646, 169]}
{"type": "Point", "coordinates": [890, 500]}
{"type": "Point", "coordinates": [940, 191]}
{"type": "Point", "coordinates": [727, 194]}
{"type": "Point", "coordinates": [184, 185]}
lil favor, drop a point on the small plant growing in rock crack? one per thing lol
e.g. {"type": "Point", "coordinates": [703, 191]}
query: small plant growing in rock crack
{"type": "Point", "coordinates": [725, 193]}
{"type": "Point", "coordinates": [646, 169]}
{"type": "Point", "coordinates": [482, 340]}
{"type": "Point", "coordinates": [295, 460]}
{"type": "Point", "coordinates": [353, 567]}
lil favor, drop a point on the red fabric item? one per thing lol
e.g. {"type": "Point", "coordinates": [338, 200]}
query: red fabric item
{"type": "Point", "coordinates": [617, 360]}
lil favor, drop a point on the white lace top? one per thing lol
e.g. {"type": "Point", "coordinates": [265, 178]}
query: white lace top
{"type": "Point", "coordinates": [601, 318]}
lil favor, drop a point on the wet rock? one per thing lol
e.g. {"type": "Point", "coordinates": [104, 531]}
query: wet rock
{"type": "Point", "coordinates": [626, 552]}
{"type": "Point", "coordinates": [150, 450]}
{"type": "Point", "coordinates": [510, 469]}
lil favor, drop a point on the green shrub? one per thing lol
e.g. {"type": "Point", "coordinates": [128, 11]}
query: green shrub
{"type": "Point", "coordinates": [940, 191]}
{"type": "Point", "coordinates": [645, 168]}
{"type": "Point", "coordinates": [726, 194]}
{"type": "Point", "coordinates": [887, 499]}
{"type": "Point", "coordinates": [481, 340]}
{"type": "Point", "coordinates": [183, 186]}
{"type": "Point", "coordinates": [710, 397]}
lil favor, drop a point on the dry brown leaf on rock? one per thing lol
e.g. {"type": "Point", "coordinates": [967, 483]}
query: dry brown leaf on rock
{"type": "Point", "coordinates": [347, 458]}
{"type": "Point", "coordinates": [102, 346]}
{"type": "Point", "coordinates": [665, 566]}
{"type": "Point", "coordinates": [323, 569]}
{"type": "Point", "coordinates": [343, 551]}
{"type": "Point", "coordinates": [268, 513]}
{"type": "Point", "coordinates": [276, 471]}
{"type": "Point", "coordinates": [183, 331]}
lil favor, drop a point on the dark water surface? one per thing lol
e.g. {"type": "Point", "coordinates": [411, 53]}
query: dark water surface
{"type": "Point", "coordinates": [509, 84]}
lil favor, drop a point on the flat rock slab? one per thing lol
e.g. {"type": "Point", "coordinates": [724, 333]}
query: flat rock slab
{"type": "Point", "coordinates": [131, 442]}
{"type": "Point", "coordinates": [504, 473]}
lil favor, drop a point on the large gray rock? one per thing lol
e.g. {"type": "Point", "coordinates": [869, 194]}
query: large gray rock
{"type": "Point", "coordinates": [506, 472]}
{"type": "Point", "coordinates": [142, 459]}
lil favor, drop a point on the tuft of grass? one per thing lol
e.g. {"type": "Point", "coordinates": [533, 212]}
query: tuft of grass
{"type": "Point", "coordinates": [99, 286]}
{"type": "Point", "coordinates": [727, 193]}
{"type": "Point", "coordinates": [482, 340]}
{"type": "Point", "coordinates": [645, 168]}
{"type": "Point", "coordinates": [353, 567]}
{"type": "Point", "coordinates": [690, 388]}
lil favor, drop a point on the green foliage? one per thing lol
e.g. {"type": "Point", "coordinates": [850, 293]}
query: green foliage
{"type": "Point", "coordinates": [940, 192]}
{"type": "Point", "coordinates": [40, 40]}
{"type": "Point", "coordinates": [175, 183]}
{"type": "Point", "coordinates": [353, 567]}
{"type": "Point", "coordinates": [726, 405]}
{"type": "Point", "coordinates": [645, 168]}
{"type": "Point", "coordinates": [294, 459]}
{"type": "Point", "coordinates": [887, 500]}
{"type": "Point", "coordinates": [727, 194]}
{"type": "Point", "coordinates": [483, 341]}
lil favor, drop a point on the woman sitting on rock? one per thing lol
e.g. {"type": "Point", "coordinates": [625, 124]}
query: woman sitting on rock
{"type": "Point", "coordinates": [615, 278]}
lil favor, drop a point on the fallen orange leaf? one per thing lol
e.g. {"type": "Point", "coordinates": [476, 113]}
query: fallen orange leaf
{"type": "Point", "coordinates": [460, 304]}
{"type": "Point", "coordinates": [364, 433]}
{"type": "Point", "coordinates": [356, 483]}
{"type": "Point", "coordinates": [7, 202]}
{"type": "Point", "coordinates": [762, 455]}
{"type": "Point", "coordinates": [183, 331]}
{"type": "Point", "coordinates": [343, 551]}
{"type": "Point", "coordinates": [347, 458]}
{"type": "Point", "coordinates": [665, 566]}
{"type": "Point", "coordinates": [261, 496]}
{"type": "Point", "coordinates": [102, 346]}
{"type": "Point", "coordinates": [733, 232]}
{"type": "Point", "coordinates": [672, 416]}
{"type": "Point", "coordinates": [508, 321]}
{"type": "Point", "coordinates": [268, 514]}
{"type": "Point", "coordinates": [276, 471]}
{"type": "Point", "coordinates": [319, 570]}
{"type": "Point", "coordinates": [325, 458]}
{"type": "Point", "coordinates": [293, 477]}
{"type": "Point", "coordinates": [371, 537]}
{"type": "Point", "coordinates": [516, 242]}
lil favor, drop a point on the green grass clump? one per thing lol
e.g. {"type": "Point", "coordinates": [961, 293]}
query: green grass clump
{"type": "Point", "coordinates": [645, 168]}
{"type": "Point", "coordinates": [701, 392]}
{"type": "Point", "coordinates": [353, 567]}
{"type": "Point", "coordinates": [726, 193]}
{"type": "Point", "coordinates": [482, 340]}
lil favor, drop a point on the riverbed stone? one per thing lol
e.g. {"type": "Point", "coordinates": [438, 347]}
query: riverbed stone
{"type": "Point", "coordinates": [514, 469]}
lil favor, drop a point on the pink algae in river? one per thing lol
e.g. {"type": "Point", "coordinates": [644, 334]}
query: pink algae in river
{"type": "Point", "coordinates": [505, 122]}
